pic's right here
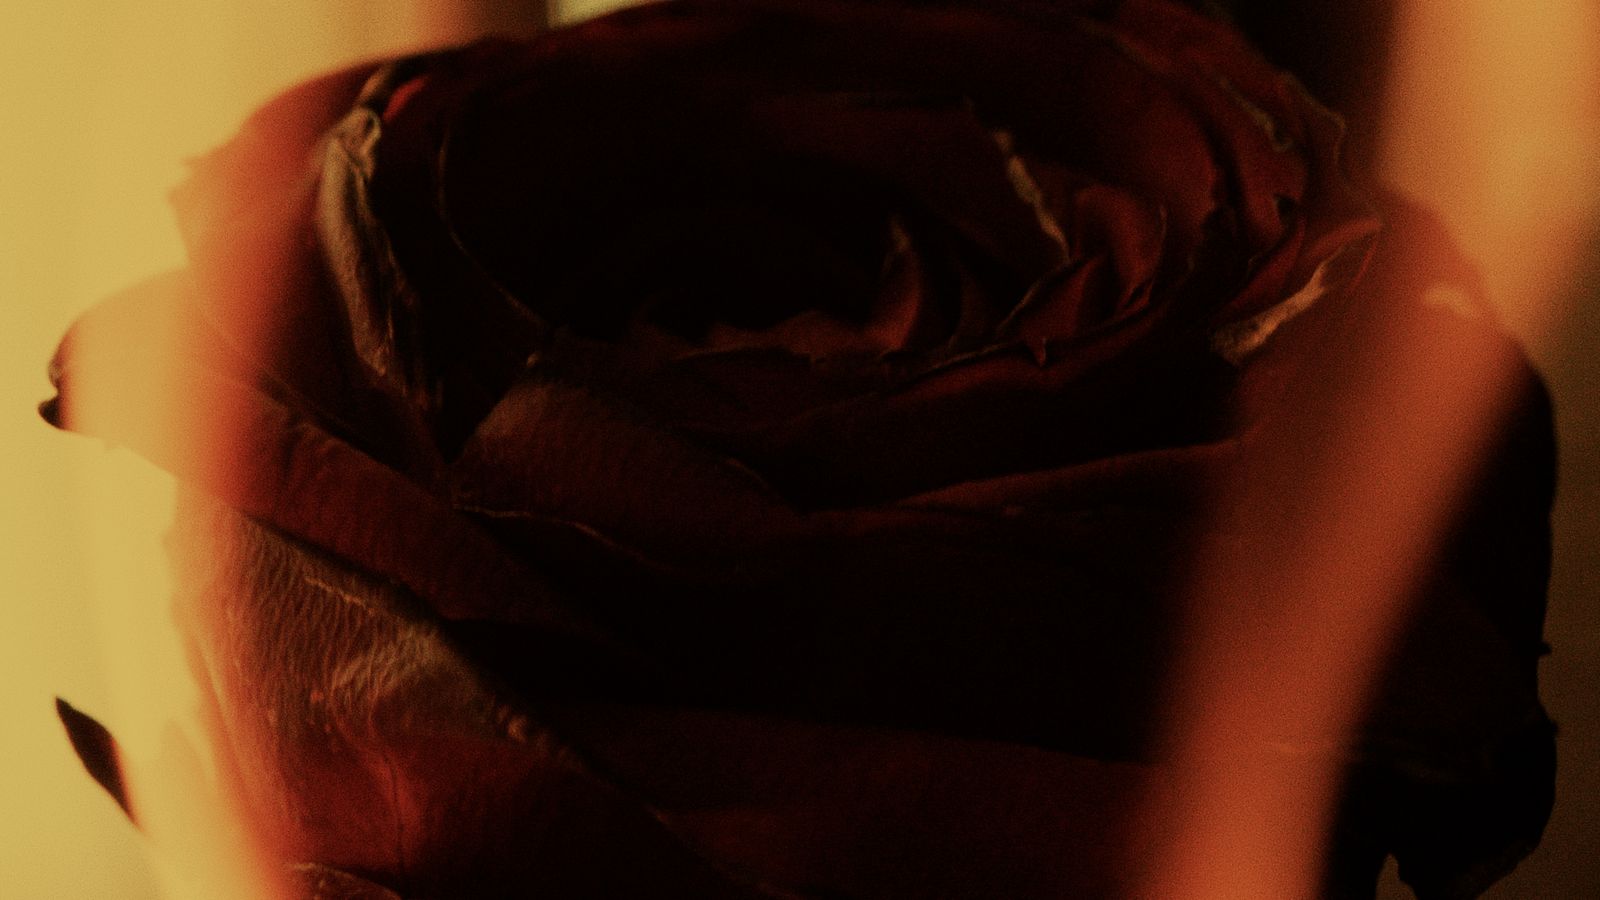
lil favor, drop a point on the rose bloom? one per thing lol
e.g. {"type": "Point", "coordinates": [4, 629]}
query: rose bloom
{"type": "Point", "coordinates": [755, 450]}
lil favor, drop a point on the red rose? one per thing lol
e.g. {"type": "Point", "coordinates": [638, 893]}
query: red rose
{"type": "Point", "coordinates": [744, 449]}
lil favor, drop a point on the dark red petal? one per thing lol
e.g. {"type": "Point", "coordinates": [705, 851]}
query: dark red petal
{"type": "Point", "coordinates": [360, 737]}
{"type": "Point", "coordinates": [556, 450]}
{"type": "Point", "coordinates": [189, 414]}
{"type": "Point", "coordinates": [940, 158]}
{"type": "Point", "coordinates": [1138, 386]}
{"type": "Point", "coordinates": [874, 812]}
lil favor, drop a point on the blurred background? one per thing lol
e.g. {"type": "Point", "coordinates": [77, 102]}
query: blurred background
{"type": "Point", "coordinates": [1490, 111]}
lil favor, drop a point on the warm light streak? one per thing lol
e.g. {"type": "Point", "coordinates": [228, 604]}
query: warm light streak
{"type": "Point", "coordinates": [1492, 119]}
{"type": "Point", "coordinates": [1339, 510]}
{"type": "Point", "coordinates": [100, 103]}
{"type": "Point", "coordinates": [1494, 112]}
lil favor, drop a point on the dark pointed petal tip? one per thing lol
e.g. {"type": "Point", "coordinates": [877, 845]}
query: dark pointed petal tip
{"type": "Point", "coordinates": [98, 751]}
{"type": "Point", "coordinates": [50, 411]}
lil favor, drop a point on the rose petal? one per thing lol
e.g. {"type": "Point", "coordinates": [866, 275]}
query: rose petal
{"type": "Point", "coordinates": [557, 450]}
